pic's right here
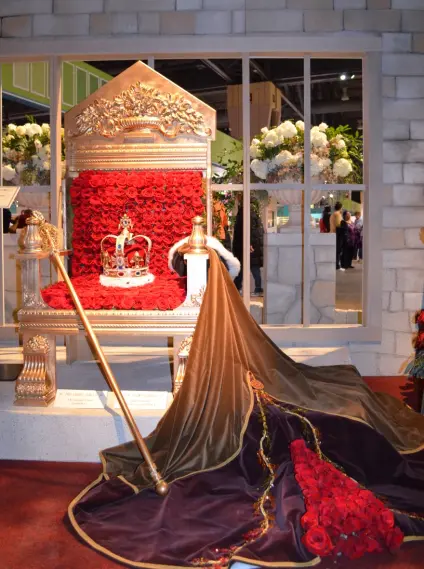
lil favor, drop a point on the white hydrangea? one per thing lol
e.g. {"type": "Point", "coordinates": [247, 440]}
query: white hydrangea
{"type": "Point", "coordinates": [342, 168]}
{"type": "Point", "coordinates": [315, 165]}
{"type": "Point", "coordinates": [323, 127]}
{"type": "Point", "coordinates": [9, 137]}
{"type": "Point", "coordinates": [300, 125]}
{"type": "Point", "coordinates": [284, 157]}
{"type": "Point", "coordinates": [11, 127]}
{"type": "Point", "coordinates": [318, 139]}
{"type": "Point", "coordinates": [339, 143]}
{"type": "Point", "coordinates": [20, 130]}
{"type": "Point", "coordinates": [287, 129]}
{"type": "Point", "coordinates": [271, 139]}
{"type": "Point", "coordinates": [45, 128]}
{"type": "Point", "coordinates": [8, 172]}
{"type": "Point", "coordinates": [254, 151]}
{"type": "Point", "coordinates": [264, 130]}
{"type": "Point", "coordinates": [33, 129]}
{"type": "Point", "coordinates": [260, 168]}
{"type": "Point", "coordinates": [314, 129]}
{"type": "Point", "coordinates": [325, 163]}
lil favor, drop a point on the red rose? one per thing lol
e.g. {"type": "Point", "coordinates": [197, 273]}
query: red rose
{"type": "Point", "coordinates": [317, 541]}
{"type": "Point", "coordinates": [394, 539]}
{"type": "Point", "coordinates": [353, 547]}
{"type": "Point", "coordinates": [309, 519]}
{"type": "Point", "coordinates": [96, 180]}
{"type": "Point", "coordinates": [386, 520]}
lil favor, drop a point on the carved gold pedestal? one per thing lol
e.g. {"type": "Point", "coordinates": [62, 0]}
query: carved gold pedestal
{"type": "Point", "coordinates": [183, 353]}
{"type": "Point", "coordinates": [36, 384]}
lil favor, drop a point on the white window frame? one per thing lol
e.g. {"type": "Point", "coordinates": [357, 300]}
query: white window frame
{"type": "Point", "coordinates": [363, 46]}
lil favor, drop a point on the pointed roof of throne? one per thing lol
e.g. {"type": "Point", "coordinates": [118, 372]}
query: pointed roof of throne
{"type": "Point", "coordinates": [139, 120]}
{"type": "Point", "coordinates": [140, 98]}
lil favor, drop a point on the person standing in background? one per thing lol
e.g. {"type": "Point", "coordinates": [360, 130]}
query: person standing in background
{"type": "Point", "coordinates": [335, 222]}
{"type": "Point", "coordinates": [221, 224]}
{"type": "Point", "coordinates": [324, 222]}
{"type": "Point", "coordinates": [256, 248]}
{"type": "Point", "coordinates": [348, 236]}
{"type": "Point", "coordinates": [359, 225]}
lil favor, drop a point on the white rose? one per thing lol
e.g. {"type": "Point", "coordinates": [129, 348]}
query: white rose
{"type": "Point", "coordinates": [264, 130]}
{"type": "Point", "coordinates": [340, 144]}
{"type": "Point", "coordinates": [323, 127]}
{"type": "Point", "coordinates": [287, 129]}
{"type": "Point", "coordinates": [11, 127]}
{"type": "Point", "coordinates": [45, 128]}
{"type": "Point", "coordinates": [9, 137]}
{"type": "Point", "coordinates": [300, 125]}
{"type": "Point", "coordinates": [318, 139]}
{"type": "Point", "coordinates": [37, 144]}
{"type": "Point", "coordinates": [8, 173]}
{"type": "Point", "coordinates": [271, 139]}
{"type": "Point", "coordinates": [28, 128]}
{"type": "Point", "coordinates": [20, 130]}
{"type": "Point", "coordinates": [342, 168]}
{"type": "Point", "coordinates": [285, 157]}
{"type": "Point", "coordinates": [259, 168]}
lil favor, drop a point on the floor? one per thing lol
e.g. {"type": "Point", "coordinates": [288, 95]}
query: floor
{"type": "Point", "coordinates": [35, 533]}
{"type": "Point", "coordinates": [349, 288]}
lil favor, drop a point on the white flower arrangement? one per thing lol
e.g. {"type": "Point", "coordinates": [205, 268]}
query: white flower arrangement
{"type": "Point", "coordinates": [277, 153]}
{"type": "Point", "coordinates": [26, 154]}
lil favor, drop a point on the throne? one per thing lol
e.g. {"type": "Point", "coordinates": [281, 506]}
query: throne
{"type": "Point", "coordinates": [138, 160]}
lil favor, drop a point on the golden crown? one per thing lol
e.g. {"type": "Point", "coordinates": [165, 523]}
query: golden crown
{"type": "Point", "coordinates": [121, 264]}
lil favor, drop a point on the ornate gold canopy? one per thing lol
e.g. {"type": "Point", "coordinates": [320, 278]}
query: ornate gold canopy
{"type": "Point", "coordinates": [139, 120]}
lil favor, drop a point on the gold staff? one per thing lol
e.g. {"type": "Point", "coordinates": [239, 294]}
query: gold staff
{"type": "Point", "coordinates": [49, 236]}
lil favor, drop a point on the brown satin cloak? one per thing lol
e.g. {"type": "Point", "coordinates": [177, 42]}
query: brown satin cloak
{"type": "Point", "coordinates": [203, 428]}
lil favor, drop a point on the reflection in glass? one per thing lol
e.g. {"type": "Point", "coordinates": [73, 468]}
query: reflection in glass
{"type": "Point", "coordinates": [283, 258]}
{"type": "Point", "coordinates": [336, 118]}
{"type": "Point", "coordinates": [337, 250]}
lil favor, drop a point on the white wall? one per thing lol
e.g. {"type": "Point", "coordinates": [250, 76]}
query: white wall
{"type": "Point", "coordinates": [401, 25]}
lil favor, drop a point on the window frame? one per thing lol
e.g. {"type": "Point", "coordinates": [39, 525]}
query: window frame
{"type": "Point", "coordinates": [363, 46]}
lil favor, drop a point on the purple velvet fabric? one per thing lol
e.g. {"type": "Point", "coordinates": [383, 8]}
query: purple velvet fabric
{"type": "Point", "coordinates": [212, 510]}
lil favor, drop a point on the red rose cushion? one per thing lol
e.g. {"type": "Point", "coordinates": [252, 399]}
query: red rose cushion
{"type": "Point", "coordinates": [161, 205]}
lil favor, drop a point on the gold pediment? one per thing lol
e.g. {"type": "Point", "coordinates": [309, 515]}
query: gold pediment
{"type": "Point", "coordinates": [140, 99]}
{"type": "Point", "coordinates": [139, 120]}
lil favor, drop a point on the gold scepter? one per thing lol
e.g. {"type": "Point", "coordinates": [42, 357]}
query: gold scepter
{"type": "Point", "coordinates": [49, 234]}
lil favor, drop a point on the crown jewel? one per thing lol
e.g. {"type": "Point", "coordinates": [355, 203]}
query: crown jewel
{"type": "Point", "coordinates": [128, 264]}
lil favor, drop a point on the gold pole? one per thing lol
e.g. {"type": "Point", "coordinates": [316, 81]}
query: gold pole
{"type": "Point", "coordinates": [160, 485]}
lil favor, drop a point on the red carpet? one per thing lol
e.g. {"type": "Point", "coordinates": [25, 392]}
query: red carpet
{"type": "Point", "coordinates": [34, 533]}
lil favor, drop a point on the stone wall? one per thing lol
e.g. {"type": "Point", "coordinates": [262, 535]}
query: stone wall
{"type": "Point", "coordinates": [283, 282]}
{"type": "Point", "coordinates": [401, 25]}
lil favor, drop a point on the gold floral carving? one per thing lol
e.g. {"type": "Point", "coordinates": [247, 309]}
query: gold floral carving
{"type": "Point", "coordinates": [38, 344]}
{"type": "Point", "coordinates": [141, 107]}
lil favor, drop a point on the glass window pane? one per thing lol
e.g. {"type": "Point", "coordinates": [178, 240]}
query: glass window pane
{"type": "Point", "coordinates": [336, 119]}
{"type": "Point", "coordinates": [25, 128]}
{"type": "Point", "coordinates": [276, 120]}
{"type": "Point", "coordinates": [217, 82]}
{"type": "Point", "coordinates": [337, 252]}
{"type": "Point", "coordinates": [283, 260]}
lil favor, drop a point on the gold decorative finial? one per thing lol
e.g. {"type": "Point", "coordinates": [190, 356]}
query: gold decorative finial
{"type": "Point", "coordinates": [197, 240]}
